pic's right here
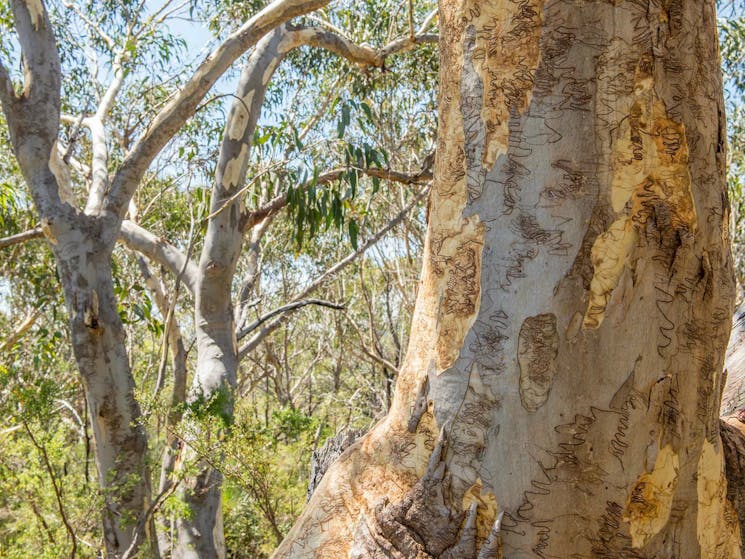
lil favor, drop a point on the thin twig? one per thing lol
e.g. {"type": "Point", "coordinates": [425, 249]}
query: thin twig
{"type": "Point", "coordinates": [251, 344]}
{"type": "Point", "coordinates": [171, 311]}
{"type": "Point", "coordinates": [145, 519]}
{"type": "Point", "coordinates": [22, 329]}
{"type": "Point", "coordinates": [57, 490]}
{"type": "Point", "coordinates": [286, 308]}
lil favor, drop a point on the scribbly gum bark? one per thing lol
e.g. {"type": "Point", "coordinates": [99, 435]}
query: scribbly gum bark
{"type": "Point", "coordinates": [560, 394]}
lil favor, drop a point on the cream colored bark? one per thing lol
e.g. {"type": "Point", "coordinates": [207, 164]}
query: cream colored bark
{"type": "Point", "coordinates": [566, 353]}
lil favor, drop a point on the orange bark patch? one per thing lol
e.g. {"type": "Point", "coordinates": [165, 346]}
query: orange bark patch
{"type": "Point", "coordinates": [487, 508]}
{"type": "Point", "coordinates": [458, 258]}
{"type": "Point", "coordinates": [650, 182]}
{"type": "Point", "coordinates": [506, 56]}
{"type": "Point", "coordinates": [650, 502]}
{"type": "Point", "coordinates": [718, 528]}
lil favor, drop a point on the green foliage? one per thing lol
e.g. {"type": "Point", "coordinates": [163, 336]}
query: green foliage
{"type": "Point", "coordinates": [218, 405]}
{"type": "Point", "coordinates": [267, 474]}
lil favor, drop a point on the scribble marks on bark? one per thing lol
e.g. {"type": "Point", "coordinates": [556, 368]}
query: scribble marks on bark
{"type": "Point", "coordinates": [650, 190]}
{"type": "Point", "coordinates": [537, 348]}
{"type": "Point", "coordinates": [463, 288]}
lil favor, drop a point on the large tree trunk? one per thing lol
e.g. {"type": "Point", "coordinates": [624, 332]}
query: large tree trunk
{"type": "Point", "coordinates": [566, 352]}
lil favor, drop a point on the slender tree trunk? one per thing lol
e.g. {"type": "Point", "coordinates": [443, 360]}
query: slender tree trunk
{"type": "Point", "coordinates": [565, 361]}
{"type": "Point", "coordinates": [200, 535]}
{"type": "Point", "coordinates": [83, 254]}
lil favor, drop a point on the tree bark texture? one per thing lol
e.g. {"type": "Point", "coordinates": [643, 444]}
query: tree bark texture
{"type": "Point", "coordinates": [561, 391]}
{"type": "Point", "coordinates": [83, 257]}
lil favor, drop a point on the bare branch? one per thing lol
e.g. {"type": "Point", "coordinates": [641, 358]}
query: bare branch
{"type": "Point", "coordinates": [257, 338]}
{"type": "Point", "coordinates": [179, 391]}
{"type": "Point", "coordinates": [407, 43]}
{"type": "Point", "coordinates": [141, 529]}
{"type": "Point", "coordinates": [253, 271]}
{"type": "Point", "coordinates": [285, 309]}
{"type": "Point", "coordinates": [412, 33]}
{"type": "Point", "coordinates": [363, 55]}
{"type": "Point", "coordinates": [39, 49]}
{"type": "Point", "coordinates": [100, 159]}
{"type": "Point", "coordinates": [246, 108]}
{"type": "Point", "coordinates": [373, 355]}
{"type": "Point", "coordinates": [24, 327]}
{"type": "Point", "coordinates": [158, 17]}
{"type": "Point", "coordinates": [19, 238]}
{"type": "Point", "coordinates": [138, 239]}
{"type": "Point", "coordinates": [110, 42]}
{"type": "Point", "coordinates": [182, 106]}
{"type": "Point", "coordinates": [99, 163]}
{"type": "Point", "coordinates": [160, 251]}
{"type": "Point", "coordinates": [33, 120]}
{"type": "Point", "coordinates": [56, 487]}
{"type": "Point", "coordinates": [427, 21]}
{"type": "Point", "coordinates": [171, 329]}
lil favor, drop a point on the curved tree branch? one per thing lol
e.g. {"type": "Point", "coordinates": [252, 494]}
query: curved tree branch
{"type": "Point", "coordinates": [285, 309]}
{"type": "Point", "coordinates": [138, 239]}
{"type": "Point", "coordinates": [158, 250]}
{"type": "Point", "coordinates": [363, 55]}
{"type": "Point", "coordinates": [184, 103]}
{"type": "Point", "coordinates": [33, 119]}
{"type": "Point", "coordinates": [276, 204]}
{"type": "Point", "coordinates": [21, 330]}
{"type": "Point", "coordinates": [19, 238]}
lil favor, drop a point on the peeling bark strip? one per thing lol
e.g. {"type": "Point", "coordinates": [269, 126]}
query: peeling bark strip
{"type": "Point", "coordinates": [423, 525]}
{"type": "Point", "coordinates": [650, 181]}
{"type": "Point", "coordinates": [574, 304]}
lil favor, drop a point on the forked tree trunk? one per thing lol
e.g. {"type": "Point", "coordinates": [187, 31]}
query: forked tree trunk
{"type": "Point", "coordinates": [200, 534]}
{"type": "Point", "coordinates": [566, 352]}
{"type": "Point", "coordinates": [82, 246]}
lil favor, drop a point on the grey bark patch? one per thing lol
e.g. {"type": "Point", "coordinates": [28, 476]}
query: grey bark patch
{"type": "Point", "coordinates": [323, 457]}
{"type": "Point", "coordinates": [537, 349]}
